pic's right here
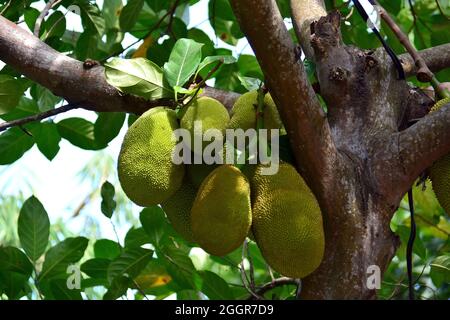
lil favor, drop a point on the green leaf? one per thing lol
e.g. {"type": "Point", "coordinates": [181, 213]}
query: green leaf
{"type": "Point", "coordinates": [180, 267]}
{"type": "Point", "coordinates": [108, 126]}
{"type": "Point", "coordinates": [14, 260]}
{"type": "Point", "coordinates": [249, 66]}
{"type": "Point", "coordinates": [14, 285]}
{"type": "Point", "coordinates": [139, 76]}
{"type": "Point", "coordinates": [30, 16]}
{"type": "Point", "coordinates": [129, 264]}
{"type": "Point", "coordinates": [155, 224]}
{"type": "Point", "coordinates": [26, 107]}
{"type": "Point", "coordinates": [108, 204]}
{"type": "Point", "coordinates": [87, 46]}
{"type": "Point", "coordinates": [183, 62]}
{"type": "Point", "coordinates": [440, 270]}
{"type": "Point", "coordinates": [106, 249]}
{"type": "Point", "coordinates": [13, 145]}
{"type": "Point", "coordinates": [47, 139]}
{"type": "Point", "coordinates": [117, 288]}
{"type": "Point", "coordinates": [59, 257]}
{"type": "Point", "coordinates": [54, 26]}
{"type": "Point", "coordinates": [136, 238]}
{"type": "Point", "coordinates": [93, 282]}
{"type": "Point", "coordinates": [111, 13]}
{"type": "Point", "coordinates": [60, 291]}
{"type": "Point", "coordinates": [91, 16]}
{"type": "Point", "coordinates": [11, 90]}
{"type": "Point", "coordinates": [249, 83]}
{"type": "Point", "coordinates": [130, 14]}
{"type": "Point", "coordinates": [33, 228]}
{"type": "Point", "coordinates": [96, 268]}
{"type": "Point", "coordinates": [80, 133]}
{"type": "Point", "coordinates": [419, 247]}
{"type": "Point", "coordinates": [212, 59]}
{"type": "Point", "coordinates": [215, 287]}
{"type": "Point", "coordinates": [46, 100]}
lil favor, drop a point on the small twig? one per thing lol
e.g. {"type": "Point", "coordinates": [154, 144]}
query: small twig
{"type": "Point", "coordinates": [251, 268]}
{"type": "Point", "coordinates": [171, 18]}
{"type": "Point", "coordinates": [245, 280]}
{"type": "Point", "coordinates": [350, 13]}
{"type": "Point", "coordinates": [202, 83]}
{"type": "Point", "coordinates": [275, 283]}
{"type": "Point", "coordinates": [38, 117]}
{"type": "Point", "coordinates": [269, 269]}
{"type": "Point", "coordinates": [299, 289]}
{"type": "Point", "coordinates": [40, 19]}
{"type": "Point", "coordinates": [138, 287]}
{"type": "Point", "coordinates": [6, 7]}
{"type": "Point", "coordinates": [423, 74]}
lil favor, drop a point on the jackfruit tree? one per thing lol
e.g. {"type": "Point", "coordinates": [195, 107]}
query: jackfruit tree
{"type": "Point", "coordinates": [358, 208]}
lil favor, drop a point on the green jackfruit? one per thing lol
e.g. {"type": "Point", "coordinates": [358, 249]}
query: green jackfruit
{"type": "Point", "coordinates": [440, 171]}
{"type": "Point", "coordinates": [287, 178]}
{"type": "Point", "coordinates": [243, 114]}
{"type": "Point", "coordinates": [146, 171]}
{"type": "Point", "coordinates": [209, 112]}
{"type": "Point", "coordinates": [178, 209]}
{"type": "Point", "coordinates": [221, 215]}
{"type": "Point", "coordinates": [287, 221]}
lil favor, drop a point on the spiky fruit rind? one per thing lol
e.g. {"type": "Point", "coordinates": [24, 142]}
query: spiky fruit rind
{"type": "Point", "coordinates": [146, 171]}
{"type": "Point", "coordinates": [287, 178]}
{"type": "Point", "coordinates": [440, 179]}
{"type": "Point", "coordinates": [243, 114]}
{"type": "Point", "coordinates": [440, 104]}
{"type": "Point", "coordinates": [209, 112]}
{"type": "Point", "coordinates": [221, 215]}
{"type": "Point", "coordinates": [287, 221]}
{"type": "Point", "coordinates": [178, 209]}
{"type": "Point", "coordinates": [288, 229]}
{"type": "Point", "coordinates": [440, 171]}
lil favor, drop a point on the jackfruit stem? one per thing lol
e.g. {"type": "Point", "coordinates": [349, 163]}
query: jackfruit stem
{"type": "Point", "coordinates": [441, 93]}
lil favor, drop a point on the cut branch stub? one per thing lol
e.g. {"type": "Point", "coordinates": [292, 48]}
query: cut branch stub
{"type": "Point", "coordinates": [326, 34]}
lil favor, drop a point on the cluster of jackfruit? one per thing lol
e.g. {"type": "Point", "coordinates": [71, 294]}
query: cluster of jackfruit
{"type": "Point", "coordinates": [440, 171]}
{"type": "Point", "coordinates": [218, 206]}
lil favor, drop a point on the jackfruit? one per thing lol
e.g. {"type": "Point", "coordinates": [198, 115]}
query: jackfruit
{"type": "Point", "coordinates": [440, 171]}
{"type": "Point", "coordinates": [210, 113]}
{"type": "Point", "coordinates": [221, 215]}
{"type": "Point", "coordinates": [197, 173]}
{"type": "Point", "coordinates": [178, 209]}
{"type": "Point", "coordinates": [287, 221]}
{"type": "Point", "coordinates": [287, 178]}
{"type": "Point", "coordinates": [146, 171]}
{"type": "Point", "coordinates": [243, 114]}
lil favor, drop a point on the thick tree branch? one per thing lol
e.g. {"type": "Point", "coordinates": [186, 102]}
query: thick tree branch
{"type": "Point", "coordinates": [286, 78]}
{"type": "Point", "coordinates": [405, 155]}
{"type": "Point", "coordinates": [274, 284]}
{"type": "Point", "coordinates": [436, 58]}
{"type": "Point", "coordinates": [305, 12]}
{"type": "Point", "coordinates": [68, 78]}
{"type": "Point", "coordinates": [425, 142]}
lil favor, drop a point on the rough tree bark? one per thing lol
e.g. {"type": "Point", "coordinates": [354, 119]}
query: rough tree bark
{"type": "Point", "coordinates": [361, 164]}
{"type": "Point", "coordinates": [358, 159]}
